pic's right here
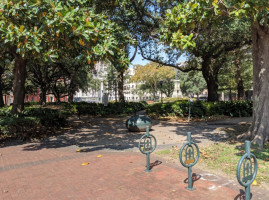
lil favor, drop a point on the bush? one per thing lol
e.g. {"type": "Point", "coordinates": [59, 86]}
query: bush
{"type": "Point", "coordinates": [200, 109]}
{"type": "Point", "coordinates": [32, 122]}
{"type": "Point", "coordinates": [113, 108]}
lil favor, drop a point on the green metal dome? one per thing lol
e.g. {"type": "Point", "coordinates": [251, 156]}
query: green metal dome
{"type": "Point", "coordinates": [138, 123]}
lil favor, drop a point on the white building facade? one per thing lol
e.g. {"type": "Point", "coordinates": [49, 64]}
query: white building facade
{"type": "Point", "coordinates": [131, 90]}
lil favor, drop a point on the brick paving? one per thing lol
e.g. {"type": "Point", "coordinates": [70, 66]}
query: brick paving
{"type": "Point", "coordinates": [52, 174]}
{"type": "Point", "coordinates": [52, 170]}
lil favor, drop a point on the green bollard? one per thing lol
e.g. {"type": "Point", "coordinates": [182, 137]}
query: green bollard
{"type": "Point", "coordinates": [249, 174]}
{"type": "Point", "coordinates": [189, 161]}
{"type": "Point", "coordinates": [146, 147]}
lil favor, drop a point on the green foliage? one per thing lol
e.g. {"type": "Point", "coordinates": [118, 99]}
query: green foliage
{"type": "Point", "coordinates": [150, 76]}
{"type": "Point", "coordinates": [32, 122]}
{"type": "Point", "coordinates": [192, 82]}
{"type": "Point", "coordinates": [115, 108]}
{"type": "Point", "coordinates": [172, 99]}
{"type": "Point", "coordinates": [200, 109]}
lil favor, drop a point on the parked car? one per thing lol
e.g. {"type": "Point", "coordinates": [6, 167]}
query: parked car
{"type": "Point", "coordinates": [203, 98]}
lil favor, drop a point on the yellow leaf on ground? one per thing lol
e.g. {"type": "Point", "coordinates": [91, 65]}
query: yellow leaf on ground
{"type": "Point", "coordinates": [86, 163]}
{"type": "Point", "coordinates": [204, 154]}
{"type": "Point", "coordinates": [78, 150]}
{"type": "Point", "coordinates": [99, 156]}
{"type": "Point", "coordinates": [255, 183]}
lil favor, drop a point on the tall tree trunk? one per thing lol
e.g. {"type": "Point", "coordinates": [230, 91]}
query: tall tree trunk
{"type": "Point", "coordinates": [43, 93]}
{"type": "Point", "coordinates": [120, 86]}
{"type": "Point", "coordinates": [71, 91]}
{"type": "Point", "coordinates": [211, 77]}
{"type": "Point", "coordinates": [260, 126]}
{"type": "Point", "coordinates": [18, 84]}
{"type": "Point", "coordinates": [230, 95]}
{"type": "Point", "coordinates": [1, 87]}
{"type": "Point", "coordinates": [115, 91]}
{"type": "Point", "coordinates": [56, 93]}
{"type": "Point", "coordinates": [238, 78]}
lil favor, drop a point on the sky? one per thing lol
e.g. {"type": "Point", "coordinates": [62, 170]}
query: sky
{"type": "Point", "coordinates": [139, 60]}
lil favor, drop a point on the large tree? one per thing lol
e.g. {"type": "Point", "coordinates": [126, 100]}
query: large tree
{"type": "Point", "coordinates": [6, 76]}
{"type": "Point", "coordinates": [46, 29]}
{"type": "Point", "coordinates": [188, 13]}
{"type": "Point", "coordinates": [151, 75]}
{"type": "Point", "coordinates": [192, 82]}
{"type": "Point", "coordinates": [212, 43]}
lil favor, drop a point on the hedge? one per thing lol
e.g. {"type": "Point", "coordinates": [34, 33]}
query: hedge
{"type": "Point", "coordinates": [32, 122]}
{"type": "Point", "coordinates": [115, 108]}
{"type": "Point", "coordinates": [201, 109]}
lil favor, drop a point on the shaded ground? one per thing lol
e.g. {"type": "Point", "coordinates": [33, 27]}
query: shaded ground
{"type": "Point", "coordinates": [51, 169]}
{"type": "Point", "coordinates": [53, 174]}
{"type": "Point", "coordinates": [111, 134]}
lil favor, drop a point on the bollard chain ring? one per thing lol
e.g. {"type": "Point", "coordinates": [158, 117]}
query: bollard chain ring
{"type": "Point", "coordinates": [248, 175]}
{"type": "Point", "coordinates": [189, 154]}
{"type": "Point", "coordinates": [145, 144]}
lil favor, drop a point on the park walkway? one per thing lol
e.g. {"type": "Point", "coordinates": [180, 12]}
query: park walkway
{"type": "Point", "coordinates": [52, 170]}
{"type": "Point", "coordinates": [52, 174]}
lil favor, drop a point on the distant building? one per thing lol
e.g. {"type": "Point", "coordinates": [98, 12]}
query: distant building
{"type": "Point", "coordinates": [131, 92]}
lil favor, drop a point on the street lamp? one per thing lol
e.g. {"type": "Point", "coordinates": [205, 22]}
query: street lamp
{"type": "Point", "coordinates": [190, 103]}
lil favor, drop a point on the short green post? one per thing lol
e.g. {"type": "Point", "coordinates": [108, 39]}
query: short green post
{"type": "Point", "coordinates": [146, 147]}
{"type": "Point", "coordinates": [249, 173]}
{"type": "Point", "coordinates": [190, 160]}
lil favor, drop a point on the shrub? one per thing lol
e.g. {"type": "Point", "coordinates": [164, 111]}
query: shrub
{"type": "Point", "coordinates": [113, 108]}
{"type": "Point", "coordinates": [201, 109]}
{"type": "Point", "coordinates": [31, 122]}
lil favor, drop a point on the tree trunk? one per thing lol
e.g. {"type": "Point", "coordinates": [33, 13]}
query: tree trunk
{"type": "Point", "coordinates": [211, 77]}
{"type": "Point", "coordinates": [239, 79]}
{"type": "Point", "coordinates": [18, 84]}
{"type": "Point", "coordinates": [120, 86]}
{"type": "Point", "coordinates": [1, 87]}
{"type": "Point", "coordinates": [43, 98]}
{"type": "Point", "coordinates": [56, 93]}
{"type": "Point", "coordinates": [260, 126]}
{"type": "Point", "coordinates": [230, 95]}
{"type": "Point", "coordinates": [71, 91]}
{"type": "Point", "coordinates": [115, 91]}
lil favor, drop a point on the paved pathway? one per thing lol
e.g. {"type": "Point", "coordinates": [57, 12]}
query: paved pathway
{"type": "Point", "coordinates": [58, 174]}
{"type": "Point", "coordinates": [52, 169]}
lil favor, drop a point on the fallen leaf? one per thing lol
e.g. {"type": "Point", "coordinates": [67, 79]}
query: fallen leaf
{"type": "Point", "coordinates": [107, 133]}
{"type": "Point", "coordinates": [255, 183]}
{"type": "Point", "coordinates": [99, 156]}
{"type": "Point", "coordinates": [204, 154]}
{"type": "Point", "coordinates": [78, 150]}
{"type": "Point", "coordinates": [86, 163]}
{"type": "Point", "coordinates": [5, 191]}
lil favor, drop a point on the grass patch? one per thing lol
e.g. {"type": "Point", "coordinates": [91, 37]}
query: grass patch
{"type": "Point", "coordinates": [222, 159]}
{"type": "Point", "coordinates": [164, 152]}
{"type": "Point", "coordinates": [225, 157]}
